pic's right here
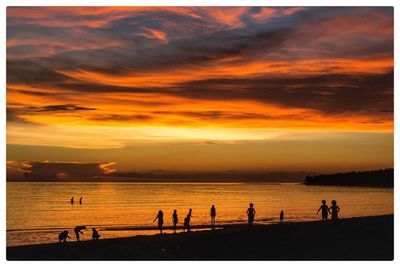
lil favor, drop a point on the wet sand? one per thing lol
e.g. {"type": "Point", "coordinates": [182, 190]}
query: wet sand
{"type": "Point", "coordinates": [364, 238]}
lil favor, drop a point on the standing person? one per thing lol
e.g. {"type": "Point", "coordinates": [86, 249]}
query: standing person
{"type": "Point", "coordinates": [281, 215]}
{"type": "Point", "coordinates": [251, 213]}
{"type": "Point", "coordinates": [213, 214]}
{"type": "Point", "coordinates": [72, 200]}
{"type": "Point", "coordinates": [324, 210]}
{"type": "Point", "coordinates": [190, 214]}
{"type": "Point", "coordinates": [187, 220]}
{"type": "Point", "coordinates": [78, 231]}
{"type": "Point", "coordinates": [80, 201]}
{"type": "Point", "coordinates": [174, 221]}
{"type": "Point", "coordinates": [160, 217]}
{"type": "Point", "coordinates": [334, 210]}
{"type": "Point", "coordinates": [186, 226]}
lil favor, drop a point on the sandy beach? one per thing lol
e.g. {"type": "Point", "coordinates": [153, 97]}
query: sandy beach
{"type": "Point", "coordinates": [363, 238]}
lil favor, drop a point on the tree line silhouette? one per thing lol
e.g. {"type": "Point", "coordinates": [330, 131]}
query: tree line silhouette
{"type": "Point", "coordinates": [375, 178]}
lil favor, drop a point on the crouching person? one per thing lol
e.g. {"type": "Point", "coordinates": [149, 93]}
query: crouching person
{"type": "Point", "coordinates": [62, 237]}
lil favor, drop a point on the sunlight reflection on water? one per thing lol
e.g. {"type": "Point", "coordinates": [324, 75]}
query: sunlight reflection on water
{"type": "Point", "coordinates": [37, 212]}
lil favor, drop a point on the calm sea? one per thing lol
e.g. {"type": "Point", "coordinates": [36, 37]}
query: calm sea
{"type": "Point", "coordinates": [37, 212]}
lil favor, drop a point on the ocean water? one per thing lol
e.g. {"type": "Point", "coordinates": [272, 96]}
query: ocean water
{"type": "Point", "coordinates": [37, 212]}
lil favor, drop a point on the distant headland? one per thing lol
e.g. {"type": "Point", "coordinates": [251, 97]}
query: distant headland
{"type": "Point", "coordinates": [374, 178]}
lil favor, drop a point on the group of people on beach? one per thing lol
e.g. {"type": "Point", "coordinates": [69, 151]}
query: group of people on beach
{"type": "Point", "coordinates": [186, 221]}
{"type": "Point", "coordinates": [325, 210]}
{"type": "Point", "coordinates": [62, 237]}
{"type": "Point", "coordinates": [251, 213]}
{"type": "Point", "coordinates": [175, 220]}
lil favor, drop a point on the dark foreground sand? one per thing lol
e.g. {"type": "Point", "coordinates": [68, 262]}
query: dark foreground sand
{"type": "Point", "coordinates": [366, 238]}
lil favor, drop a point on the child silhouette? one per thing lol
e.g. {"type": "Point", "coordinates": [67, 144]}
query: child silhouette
{"type": "Point", "coordinates": [334, 210]}
{"type": "Point", "coordinates": [324, 209]}
{"type": "Point", "coordinates": [63, 236]}
{"type": "Point", "coordinates": [251, 213]}
{"type": "Point", "coordinates": [95, 234]}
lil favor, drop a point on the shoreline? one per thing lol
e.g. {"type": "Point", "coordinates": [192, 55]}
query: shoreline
{"type": "Point", "coordinates": [348, 239]}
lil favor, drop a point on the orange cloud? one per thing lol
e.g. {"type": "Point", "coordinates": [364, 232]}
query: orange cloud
{"type": "Point", "coordinates": [18, 166]}
{"type": "Point", "coordinates": [106, 167]}
{"type": "Point", "coordinates": [181, 112]}
{"type": "Point", "coordinates": [228, 16]}
{"type": "Point", "coordinates": [233, 70]}
{"type": "Point", "coordinates": [155, 34]}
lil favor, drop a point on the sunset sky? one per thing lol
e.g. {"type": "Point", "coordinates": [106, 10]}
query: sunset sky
{"type": "Point", "coordinates": [198, 88]}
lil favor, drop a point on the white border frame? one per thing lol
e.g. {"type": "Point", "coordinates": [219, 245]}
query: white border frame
{"type": "Point", "coordinates": [5, 3]}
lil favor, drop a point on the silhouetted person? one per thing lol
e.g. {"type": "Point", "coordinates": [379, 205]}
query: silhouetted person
{"type": "Point", "coordinates": [189, 216]}
{"type": "Point", "coordinates": [160, 217]}
{"type": "Point", "coordinates": [80, 201]}
{"type": "Point", "coordinates": [95, 234]}
{"type": "Point", "coordinates": [251, 213]}
{"type": "Point", "coordinates": [186, 224]}
{"type": "Point", "coordinates": [324, 210]}
{"type": "Point", "coordinates": [334, 210]}
{"type": "Point", "coordinates": [78, 231]}
{"type": "Point", "coordinates": [174, 221]}
{"type": "Point", "coordinates": [213, 214]}
{"type": "Point", "coordinates": [187, 220]}
{"type": "Point", "coordinates": [63, 236]}
{"type": "Point", "coordinates": [72, 200]}
{"type": "Point", "coordinates": [281, 215]}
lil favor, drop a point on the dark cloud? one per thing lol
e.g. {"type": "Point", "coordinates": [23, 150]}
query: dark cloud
{"type": "Point", "coordinates": [119, 117]}
{"type": "Point", "coordinates": [35, 93]}
{"type": "Point", "coordinates": [14, 114]}
{"type": "Point", "coordinates": [100, 88]}
{"type": "Point", "coordinates": [328, 93]}
{"type": "Point", "coordinates": [59, 108]}
{"type": "Point", "coordinates": [11, 114]}
{"type": "Point", "coordinates": [199, 42]}
{"type": "Point", "coordinates": [167, 21]}
{"type": "Point", "coordinates": [210, 142]}
{"type": "Point", "coordinates": [36, 71]}
{"type": "Point", "coordinates": [203, 48]}
{"type": "Point", "coordinates": [386, 110]}
{"type": "Point", "coordinates": [221, 115]}
{"type": "Point", "coordinates": [32, 31]}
